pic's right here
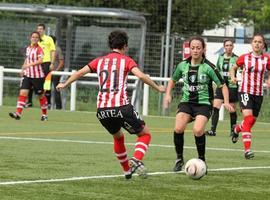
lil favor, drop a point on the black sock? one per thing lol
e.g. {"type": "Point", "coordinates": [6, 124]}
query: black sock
{"type": "Point", "coordinates": [30, 96]}
{"type": "Point", "coordinates": [178, 139]}
{"type": "Point", "coordinates": [200, 143]}
{"type": "Point", "coordinates": [215, 119]}
{"type": "Point", "coordinates": [48, 96]}
{"type": "Point", "coordinates": [233, 117]}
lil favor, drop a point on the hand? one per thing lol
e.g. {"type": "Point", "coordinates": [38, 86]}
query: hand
{"type": "Point", "coordinates": [267, 83]}
{"type": "Point", "coordinates": [25, 66]}
{"type": "Point", "coordinates": [229, 107]}
{"type": "Point", "coordinates": [21, 73]}
{"type": "Point", "coordinates": [167, 100]}
{"type": "Point", "coordinates": [51, 67]}
{"type": "Point", "coordinates": [60, 86]}
{"type": "Point", "coordinates": [161, 89]}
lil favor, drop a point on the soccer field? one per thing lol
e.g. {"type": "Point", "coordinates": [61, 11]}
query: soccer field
{"type": "Point", "coordinates": [71, 157]}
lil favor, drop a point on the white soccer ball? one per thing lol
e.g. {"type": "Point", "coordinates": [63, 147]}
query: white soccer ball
{"type": "Point", "coordinates": [195, 168]}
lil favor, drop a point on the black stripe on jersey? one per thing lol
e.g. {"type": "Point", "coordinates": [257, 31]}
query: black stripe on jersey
{"type": "Point", "coordinates": [193, 82]}
{"type": "Point", "coordinates": [210, 84]}
{"type": "Point", "coordinates": [215, 70]}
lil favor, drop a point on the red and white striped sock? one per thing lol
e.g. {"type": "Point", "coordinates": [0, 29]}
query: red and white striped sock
{"type": "Point", "coordinates": [43, 105]}
{"type": "Point", "coordinates": [141, 146]}
{"type": "Point", "coordinates": [20, 104]}
{"type": "Point", "coordinates": [246, 138]}
{"type": "Point", "coordinates": [121, 153]}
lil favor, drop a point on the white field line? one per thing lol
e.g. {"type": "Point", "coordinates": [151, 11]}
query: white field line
{"type": "Point", "coordinates": [117, 176]}
{"type": "Point", "coordinates": [132, 144]}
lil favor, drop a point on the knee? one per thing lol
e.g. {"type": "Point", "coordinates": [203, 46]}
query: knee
{"type": "Point", "coordinates": [197, 131]}
{"type": "Point", "coordinates": [179, 130]}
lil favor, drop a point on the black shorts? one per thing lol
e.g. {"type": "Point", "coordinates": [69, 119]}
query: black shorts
{"type": "Point", "coordinates": [124, 116]}
{"type": "Point", "coordinates": [33, 83]}
{"type": "Point", "coordinates": [233, 94]}
{"type": "Point", "coordinates": [195, 109]}
{"type": "Point", "coordinates": [46, 67]}
{"type": "Point", "coordinates": [253, 102]}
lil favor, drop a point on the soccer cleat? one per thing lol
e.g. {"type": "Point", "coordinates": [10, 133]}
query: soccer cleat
{"type": "Point", "coordinates": [249, 155]}
{"type": "Point", "coordinates": [128, 175]}
{"type": "Point", "coordinates": [235, 135]}
{"type": "Point", "coordinates": [44, 118]}
{"type": "Point", "coordinates": [138, 167]}
{"type": "Point", "coordinates": [210, 133]}
{"type": "Point", "coordinates": [28, 105]}
{"type": "Point", "coordinates": [15, 115]}
{"type": "Point", "coordinates": [178, 165]}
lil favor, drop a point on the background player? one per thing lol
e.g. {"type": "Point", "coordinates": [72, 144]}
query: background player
{"type": "Point", "coordinates": [254, 65]}
{"type": "Point", "coordinates": [33, 77]}
{"type": "Point", "coordinates": [224, 64]}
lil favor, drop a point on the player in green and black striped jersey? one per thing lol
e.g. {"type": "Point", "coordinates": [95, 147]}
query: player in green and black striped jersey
{"type": "Point", "coordinates": [198, 74]}
{"type": "Point", "coordinates": [225, 62]}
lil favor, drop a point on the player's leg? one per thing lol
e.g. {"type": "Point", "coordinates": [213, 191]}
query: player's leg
{"type": "Point", "coordinates": [202, 114]}
{"type": "Point", "coordinates": [29, 102]}
{"type": "Point", "coordinates": [38, 88]}
{"type": "Point", "coordinates": [233, 98]}
{"type": "Point", "coordinates": [133, 123]}
{"type": "Point", "coordinates": [233, 118]}
{"type": "Point", "coordinates": [247, 124]}
{"type": "Point", "coordinates": [218, 100]}
{"type": "Point", "coordinates": [182, 118]}
{"type": "Point", "coordinates": [215, 116]}
{"type": "Point", "coordinates": [25, 85]}
{"type": "Point", "coordinates": [113, 126]}
{"type": "Point", "coordinates": [57, 94]}
{"type": "Point", "coordinates": [121, 153]}
{"type": "Point", "coordinates": [46, 70]}
{"type": "Point", "coordinates": [198, 131]}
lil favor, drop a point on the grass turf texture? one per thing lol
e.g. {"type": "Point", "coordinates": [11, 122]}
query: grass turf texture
{"type": "Point", "coordinates": [69, 153]}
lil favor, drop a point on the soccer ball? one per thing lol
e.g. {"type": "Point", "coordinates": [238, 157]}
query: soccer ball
{"type": "Point", "coordinates": [195, 168]}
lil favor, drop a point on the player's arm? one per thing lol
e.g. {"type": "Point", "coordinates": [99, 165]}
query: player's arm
{"type": "Point", "coordinates": [74, 77]}
{"type": "Point", "coordinates": [239, 63]}
{"type": "Point", "coordinates": [177, 74]}
{"type": "Point", "coordinates": [146, 79]}
{"type": "Point", "coordinates": [216, 77]}
{"type": "Point", "coordinates": [38, 62]}
{"type": "Point", "coordinates": [60, 65]}
{"type": "Point", "coordinates": [168, 97]}
{"type": "Point", "coordinates": [233, 73]}
{"type": "Point", "coordinates": [61, 61]}
{"type": "Point", "coordinates": [52, 52]}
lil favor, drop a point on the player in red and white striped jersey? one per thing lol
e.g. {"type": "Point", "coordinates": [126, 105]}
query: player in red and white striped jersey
{"type": "Point", "coordinates": [33, 76]}
{"type": "Point", "coordinates": [114, 109]}
{"type": "Point", "coordinates": [254, 66]}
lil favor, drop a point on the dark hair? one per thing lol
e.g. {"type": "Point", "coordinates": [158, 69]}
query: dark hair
{"type": "Point", "coordinates": [117, 39]}
{"type": "Point", "coordinates": [227, 40]}
{"type": "Point", "coordinates": [35, 32]}
{"type": "Point", "coordinates": [54, 38]}
{"type": "Point", "coordinates": [43, 25]}
{"type": "Point", "coordinates": [260, 35]}
{"type": "Point", "coordinates": [199, 38]}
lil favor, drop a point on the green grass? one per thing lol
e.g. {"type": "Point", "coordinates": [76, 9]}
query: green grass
{"type": "Point", "coordinates": [59, 158]}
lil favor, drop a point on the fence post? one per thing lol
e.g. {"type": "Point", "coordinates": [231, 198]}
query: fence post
{"type": "Point", "coordinates": [145, 99]}
{"type": "Point", "coordinates": [73, 94]}
{"type": "Point", "coordinates": [1, 84]}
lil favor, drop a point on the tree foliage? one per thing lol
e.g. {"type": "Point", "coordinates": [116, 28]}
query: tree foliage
{"type": "Point", "coordinates": [188, 16]}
